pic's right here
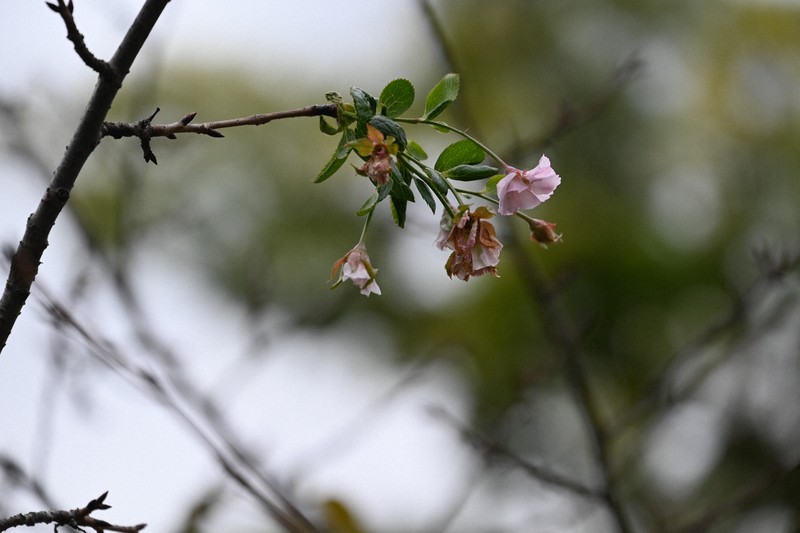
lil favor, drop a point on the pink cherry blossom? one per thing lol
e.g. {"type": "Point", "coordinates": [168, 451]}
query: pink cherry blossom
{"type": "Point", "coordinates": [525, 189]}
{"type": "Point", "coordinates": [476, 250]}
{"type": "Point", "coordinates": [356, 267]}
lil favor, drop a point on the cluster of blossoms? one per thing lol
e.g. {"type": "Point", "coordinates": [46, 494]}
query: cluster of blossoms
{"type": "Point", "coordinates": [392, 164]}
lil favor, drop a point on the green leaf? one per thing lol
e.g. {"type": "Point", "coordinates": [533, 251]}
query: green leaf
{"type": "Point", "coordinates": [470, 172]}
{"type": "Point", "coordinates": [391, 128]}
{"type": "Point", "coordinates": [365, 109]}
{"type": "Point", "coordinates": [400, 189]}
{"type": "Point", "coordinates": [415, 150]}
{"type": "Point", "coordinates": [396, 97]}
{"type": "Point", "coordinates": [369, 205]}
{"type": "Point", "coordinates": [384, 190]}
{"type": "Point", "coordinates": [437, 180]}
{"type": "Point", "coordinates": [426, 194]}
{"type": "Point", "coordinates": [337, 159]}
{"type": "Point", "coordinates": [463, 152]}
{"type": "Point", "coordinates": [441, 96]}
{"type": "Point", "coordinates": [399, 211]}
{"type": "Point", "coordinates": [491, 185]}
{"type": "Point", "coordinates": [328, 126]}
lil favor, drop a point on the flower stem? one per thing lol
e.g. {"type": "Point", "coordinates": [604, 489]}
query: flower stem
{"type": "Point", "coordinates": [366, 225]}
{"type": "Point", "coordinates": [447, 127]}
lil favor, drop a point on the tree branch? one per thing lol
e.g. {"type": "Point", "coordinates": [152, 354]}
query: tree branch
{"type": "Point", "coordinates": [76, 518]}
{"type": "Point", "coordinates": [490, 449]}
{"type": "Point", "coordinates": [26, 260]}
{"type": "Point", "coordinates": [145, 130]}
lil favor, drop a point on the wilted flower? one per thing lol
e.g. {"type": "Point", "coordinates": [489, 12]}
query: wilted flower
{"type": "Point", "coordinates": [379, 149]}
{"type": "Point", "coordinates": [476, 250]}
{"type": "Point", "coordinates": [525, 189]}
{"type": "Point", "coordinates": [356, 267]}
{"type": "Point", "coordinates": [543, 232]}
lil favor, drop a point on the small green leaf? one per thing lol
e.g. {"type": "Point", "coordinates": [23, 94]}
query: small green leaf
{"type": "Point", "coordinates": [437, 180]}
{"type": "Point", "coordinates": [384, 190]}
{"type": "Point", "coordinates": [399, 211]}
{"type": "Point", "coordinates": [426, 194]}
{"type": "Point", "coordinates": [396, 97]}
{"type": "Point", "coordinates": [415, 150]}
{"type": "Point", "coordinates": [400, 189]}
{"type": "Point", "coordinates": [369, 205]}
{"type": "Point", "coordinates": [491, 185]}
{"type": "Point", "coordinates": [365, 109]}
{"type": "Point", "coordinates": [463, 152]}
{"type": "Point", "coordinates": [470, 172]}
{"type": "Point", "coordinates": [327, 126]}
{"type": "Point", "coordinates": [441, 96]}
{"type": "Point", "coordinates": [337, 159]}
{"type": "Point", "coordinates": [389, 128]}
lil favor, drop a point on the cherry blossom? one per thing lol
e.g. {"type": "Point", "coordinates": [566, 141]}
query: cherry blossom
{"type": "Point", "coordinates": [525, 189]}
{"type": "Point", "coordinates": [356, 267]}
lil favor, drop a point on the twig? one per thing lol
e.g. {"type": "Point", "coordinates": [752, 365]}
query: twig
{"type": "Point", "coordinates": [26, 260]}
{"type": "Point", "coordinates": [76, 518]}
{"type": "Point", "coordinates": [491, 449]}
{"type": "Point", "coordinates": [12, 470]}
{"type": "Point", "coordinates": [145, 130]}
{"type": "Point", "coordinates": [76, 37]}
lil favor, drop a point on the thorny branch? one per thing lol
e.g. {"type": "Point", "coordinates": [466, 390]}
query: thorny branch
{"type": "Point", "coordinates": [145, 130]}
{"type": "Point", "coordinates": [76, 518]}
{"type": "Point", "coordinates": [25, 261]}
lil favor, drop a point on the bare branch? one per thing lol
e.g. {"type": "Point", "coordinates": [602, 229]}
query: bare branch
{"type": "Point", "coordinates": [76, 37]}
{"type": "Point", "coordinates": [76, 518]}
{"type": "Point", "coordinates": [490, 449]}
{"type": "Point", "coordinates": [145, 130]}
{"type": "Point", "coordinates": [26, 260]}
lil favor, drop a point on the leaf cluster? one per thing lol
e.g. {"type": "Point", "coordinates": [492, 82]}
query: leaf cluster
{"type": "Point", "coordinates": [459, 161]}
